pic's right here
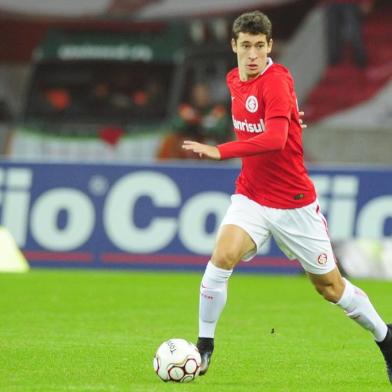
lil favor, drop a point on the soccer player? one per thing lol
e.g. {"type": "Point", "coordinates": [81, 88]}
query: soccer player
{"type": "Point", "coordinates": [274, 194]}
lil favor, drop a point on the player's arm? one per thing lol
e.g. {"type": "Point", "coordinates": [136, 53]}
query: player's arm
{"type": "Point", "coordinates": [272, 139]}
{"type": "Point", "coordinates": [277, 100]}
{"type": "Point", "coordinates": [278, 107]}
{"type": "Point", "coordinates": [201, 149]}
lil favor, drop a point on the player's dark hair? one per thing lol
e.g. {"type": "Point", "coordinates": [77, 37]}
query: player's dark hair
{"type": "Point", "coordinates": [254, 22]}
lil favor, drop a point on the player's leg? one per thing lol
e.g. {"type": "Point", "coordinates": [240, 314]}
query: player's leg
{"type": "Point", "coordinates": [352, 300]}
{"type": "Point", "coordinates": [305, 235]}
{"type": "Point", "coordinates": [241, 234]}
{"type": "Point", "coordinates": [232, 244]}
{"type": "Point", "coordinates": [358, 307]}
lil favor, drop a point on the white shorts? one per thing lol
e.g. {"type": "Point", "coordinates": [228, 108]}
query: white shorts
{"type": "Point", "coordinates": [301, 233]}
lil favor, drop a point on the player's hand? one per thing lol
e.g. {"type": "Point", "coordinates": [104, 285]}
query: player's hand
{"type": "Point", "coordinates": [301, 122]}
{"type": "Point", "coordinates": [211, 152]}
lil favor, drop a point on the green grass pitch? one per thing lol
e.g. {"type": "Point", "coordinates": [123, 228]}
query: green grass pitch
{"type": "Point", "coordinates": [98, 331]}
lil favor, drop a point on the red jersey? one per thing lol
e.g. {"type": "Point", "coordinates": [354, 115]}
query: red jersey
{"type": "Point", "coordinates": [277, 178]}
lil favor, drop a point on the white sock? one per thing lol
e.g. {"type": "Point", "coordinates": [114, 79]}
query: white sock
{"type": "Point", "coordinates": [358, 307]}
{"type": "Point", "coordinates": [213, 295]}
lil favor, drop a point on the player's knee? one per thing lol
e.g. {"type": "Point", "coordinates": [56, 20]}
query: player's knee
{"type": "Point", "coordinates": [330, 292]}
{"type": "Point", "coordinates": [225, 258]}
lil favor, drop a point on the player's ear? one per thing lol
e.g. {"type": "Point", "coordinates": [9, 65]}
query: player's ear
{"type": "Point", "coordinates": [269, 48]}
{"type": "Point", "coordinates": [234, 45]}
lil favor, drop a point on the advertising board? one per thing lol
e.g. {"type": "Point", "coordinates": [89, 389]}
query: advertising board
{"type": "Point", "coordinates": [163, 216]}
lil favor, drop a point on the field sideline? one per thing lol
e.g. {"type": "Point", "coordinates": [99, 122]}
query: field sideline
{"type": "Point", "coordinates": [98, 331]}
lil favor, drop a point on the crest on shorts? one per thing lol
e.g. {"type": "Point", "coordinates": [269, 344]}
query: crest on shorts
{"type": "Point", "coordinates": [322, 259]}
{"type": "Point", "coordinates": [251, 104]}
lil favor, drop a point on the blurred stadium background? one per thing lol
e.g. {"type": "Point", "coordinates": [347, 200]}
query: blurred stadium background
{"type": "Point", "coordinates": [90, 90]}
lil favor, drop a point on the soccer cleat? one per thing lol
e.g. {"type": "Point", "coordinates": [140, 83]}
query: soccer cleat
{"type": "Point", "coordinates": [386, 349]}
{"type": "Point", "coordinates": [205, 362]}
{"type": "Point", "coordinates": [206, 348]}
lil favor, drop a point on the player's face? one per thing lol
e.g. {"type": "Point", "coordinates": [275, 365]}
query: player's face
{"type": "Point", "coordinates": [252, 51]}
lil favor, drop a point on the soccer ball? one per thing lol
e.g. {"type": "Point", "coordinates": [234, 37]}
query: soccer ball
{"type": "Point", "coordinates": [177, 360]}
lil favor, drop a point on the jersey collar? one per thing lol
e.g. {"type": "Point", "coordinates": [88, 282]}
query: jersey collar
{"type": "Point", "coordinates": [269, 63]}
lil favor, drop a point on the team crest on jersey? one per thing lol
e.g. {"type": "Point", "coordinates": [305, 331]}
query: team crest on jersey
{"type": "Point", "coordinates": [251, 104]}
